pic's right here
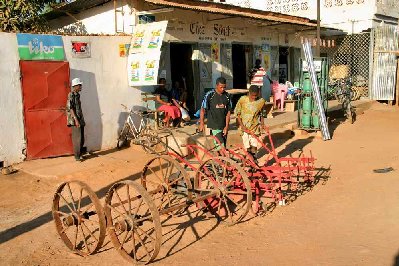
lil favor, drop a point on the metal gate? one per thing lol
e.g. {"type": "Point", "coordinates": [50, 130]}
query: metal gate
{"type": "Point", "coordinates": [350, 59]}
{"type": "Point", "coordinates": [45, 88]}
{"type": "Point", "coordinates": [386, 40]}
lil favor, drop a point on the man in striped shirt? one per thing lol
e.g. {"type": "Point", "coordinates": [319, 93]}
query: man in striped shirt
{"type": "Point", "coordinates": [257, 75]}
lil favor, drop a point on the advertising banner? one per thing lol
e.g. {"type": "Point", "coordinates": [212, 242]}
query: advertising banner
{"type": "Point", "coordinates": [145, 53]}
{"type": "Point", "coordinates": [143, 68]}
{"type": "Point", "coordinates": [40, 47]}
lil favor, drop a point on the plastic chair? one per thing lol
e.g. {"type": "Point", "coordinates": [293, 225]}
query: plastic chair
{"type": "Point", "coordinates": [279, 93]}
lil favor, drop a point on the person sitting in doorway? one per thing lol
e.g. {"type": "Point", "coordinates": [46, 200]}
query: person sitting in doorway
{"type": "Point", "coordinates": [163, 97]}
{"type": "Point", "coordinates": [179, 98]}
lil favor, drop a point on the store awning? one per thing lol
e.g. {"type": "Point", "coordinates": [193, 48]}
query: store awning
{"type": "Point", "coordinates": [225, 9]}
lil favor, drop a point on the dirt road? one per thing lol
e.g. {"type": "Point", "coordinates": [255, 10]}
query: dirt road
{"type": "Point", "coordinates": [349, 218]}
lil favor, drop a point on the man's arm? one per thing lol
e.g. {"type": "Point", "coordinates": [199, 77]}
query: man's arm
{"type": "Point", "coordinates": [262, 119]}
{"type": "Point", "coordinates": [202, 116]}
{"type": "Point", "coordinates": [226, 128]}
{"type": "Point", "coordinates": [70, 108]}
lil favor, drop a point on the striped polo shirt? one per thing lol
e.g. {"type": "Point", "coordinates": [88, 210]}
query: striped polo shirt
{"type": "Point", "coordinates": [258, 77]}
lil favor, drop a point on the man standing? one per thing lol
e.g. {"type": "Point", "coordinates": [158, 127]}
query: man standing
{"type": "Point", "coordinates": [249, 117]}
{"type": "Point", "coordinates": [257, 75]}
{"type": "Point", "coordinates": [217, 107]}
{"type": "Point", "coordinates": [75, 118]}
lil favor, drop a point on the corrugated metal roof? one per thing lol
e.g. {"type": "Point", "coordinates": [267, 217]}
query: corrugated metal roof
{"type": "Point", "coordinates": [226, 9]}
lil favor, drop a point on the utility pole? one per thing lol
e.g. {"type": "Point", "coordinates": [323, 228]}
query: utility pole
{"type": "Point", "coordinates": [318, 30]}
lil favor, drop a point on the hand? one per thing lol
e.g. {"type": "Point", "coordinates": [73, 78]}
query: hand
{"type": "Point", "coordinates": [201, 127]}
{"type": "Point", "coordinates": [77, 124]}
{"type": "Point", "coordinates": [225, 130]}
{"type": "Point", "coordinates": [244, 128]}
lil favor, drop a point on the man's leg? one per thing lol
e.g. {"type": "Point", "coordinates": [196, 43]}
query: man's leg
{"type": "Point", "coordinates": [76, 141]}
{"type": "Point", "coordinates": [219, 136]}
{"type": "Point", "coordinates": [82, 141]}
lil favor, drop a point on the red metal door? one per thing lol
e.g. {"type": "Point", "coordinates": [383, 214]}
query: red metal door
{"type": "Point", "coordinates": [45, 88]}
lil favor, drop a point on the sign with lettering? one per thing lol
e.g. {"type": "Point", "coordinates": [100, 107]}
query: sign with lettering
{"type": "Point", "coordinates": [40, 47]}
{"type": "Point", "coordinates": [210, 32]}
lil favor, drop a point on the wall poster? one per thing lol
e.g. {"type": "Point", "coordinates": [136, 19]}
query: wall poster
{"type": "Point", "coordinates": [80, 49]}
{"type": "Point", "coordinates": [145, 53]}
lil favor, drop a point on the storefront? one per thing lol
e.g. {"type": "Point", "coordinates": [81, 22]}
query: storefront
{"type": "Point", "coordinates": [202, 46]}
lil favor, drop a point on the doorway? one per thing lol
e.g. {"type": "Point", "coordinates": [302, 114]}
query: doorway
{"type": "Point", "coordinates": [181, 66]}
{"type": "Point", "coordinates": [45, 88]}
{"type": "Point", "coordinates": [283, 64]}
{"type": "Point", "coordinates": [239, 66]}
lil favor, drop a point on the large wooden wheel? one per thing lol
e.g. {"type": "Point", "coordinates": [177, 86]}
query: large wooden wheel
{"type": "Point", "coordinates": [133, 222]}
{"type": "Point", "coordinates": [79, 217]}
{"type": "Point", "coordinates": [225, 179]}
{"type": "Point", "coordinates": [167, 182]}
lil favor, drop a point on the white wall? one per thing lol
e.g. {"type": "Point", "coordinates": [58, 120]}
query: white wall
{"type": "Point", "coordinates": [346, 15]}
{"type": "Point", "coordinates": [12, 139]}
{"type": "Point", "coordinates": [97, 20]}
{"type": "Point", "coordinates": [105, 88]}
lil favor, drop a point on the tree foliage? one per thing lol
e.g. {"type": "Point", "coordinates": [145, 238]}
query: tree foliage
{"type": "Point", "coordinates": [23, 15]}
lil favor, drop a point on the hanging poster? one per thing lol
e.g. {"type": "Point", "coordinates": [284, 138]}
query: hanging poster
{"type": "Point", "coordinates": [145, 53]}
{"type": "Point", "coordinates": [265, 47]}
{"type": "Point", "coordinates": [80, 49]}
{"type": "Point", "coordinates": [40, 47]}
{"type": "Point", "coordinates": [266, 61]}
{"type": "Point", "coordinates": [124, 49]}
{"type": "Point", "coordinates": [148, 36]}
{"type": "Point", "coordinates": [215, 52]}
{"type": "Point", "coordinates": [143, 68]}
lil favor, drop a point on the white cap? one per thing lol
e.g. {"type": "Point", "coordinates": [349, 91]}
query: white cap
{"type": "Point", "coordinates": [76, 81]}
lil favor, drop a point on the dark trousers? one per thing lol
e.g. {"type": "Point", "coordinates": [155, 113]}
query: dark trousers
{"type": "Point", "coordinates": [78, 139]}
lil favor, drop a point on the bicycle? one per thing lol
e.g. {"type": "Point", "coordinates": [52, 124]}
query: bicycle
{"type": "Point", "coordinates": [144, 134]}
{"type": "Point", "coordinates": [342, 92]}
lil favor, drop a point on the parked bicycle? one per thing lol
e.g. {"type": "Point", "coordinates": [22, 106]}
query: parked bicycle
{"type": "Point", "coordinates": [341, 89]}
{"type": "Point", "coordinates": [143, 133]}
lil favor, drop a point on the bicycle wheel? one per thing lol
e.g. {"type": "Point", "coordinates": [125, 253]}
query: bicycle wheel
{"type": "Point", "coordinates": [122, 138]}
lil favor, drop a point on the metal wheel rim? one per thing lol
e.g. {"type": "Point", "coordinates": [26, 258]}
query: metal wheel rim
{"type": "Point", "coordinates": [170, 185]}
{"type": "Point", "coordinates": [131, 218]}
{"type": "Point", "coordinates": [246, 194]}
{"type": "Point", "coordinates": [65, 220]}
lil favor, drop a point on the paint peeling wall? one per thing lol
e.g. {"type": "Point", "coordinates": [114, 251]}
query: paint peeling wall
{"type": "Point", "coordinates": [12, 139]}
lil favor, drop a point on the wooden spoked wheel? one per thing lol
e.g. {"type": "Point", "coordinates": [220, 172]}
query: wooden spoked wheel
{"type": "Point", "coordinates": [167, 182]}
{"type": "Point", "coordinates": [79, 217]}
{"type": "Point", "coordinates": [153, 143]}
{"type": "Point", "coordinates": [133, 222]}
{"type": "Point", "coordinates": [227, 181]}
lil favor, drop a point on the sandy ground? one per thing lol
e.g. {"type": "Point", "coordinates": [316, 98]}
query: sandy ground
{"type": "Point", "coordinates": [349, 218]}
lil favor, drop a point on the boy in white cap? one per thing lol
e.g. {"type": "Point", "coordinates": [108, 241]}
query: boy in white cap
{"type": "Point", "coordinates": [75, 118]}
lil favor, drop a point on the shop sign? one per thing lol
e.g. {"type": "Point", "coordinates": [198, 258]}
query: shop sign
{"type": "Point", "coordinates": [40, 47]}
{"type": "Point", "coordinates": [205, 32]}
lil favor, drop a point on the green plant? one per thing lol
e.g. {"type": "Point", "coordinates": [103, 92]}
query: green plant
{"type": "Point", "coordinates": [22, 15]}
